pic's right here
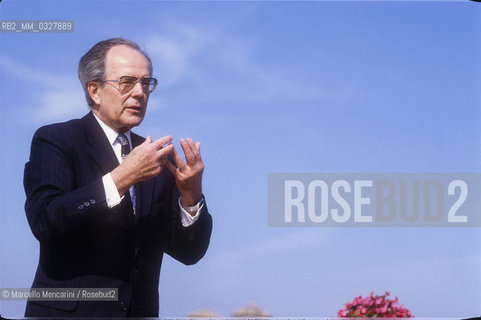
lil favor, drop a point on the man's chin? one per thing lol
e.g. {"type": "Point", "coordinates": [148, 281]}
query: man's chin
{"type": "Point", "coordinates": [134, 121]}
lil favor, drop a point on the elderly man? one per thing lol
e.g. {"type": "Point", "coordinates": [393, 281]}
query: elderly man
{"type": "Point", "coordinates": [105, 203]}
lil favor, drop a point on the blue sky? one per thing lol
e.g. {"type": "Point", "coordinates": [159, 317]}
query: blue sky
{"type": "Point", "coordinates": [275, 86]}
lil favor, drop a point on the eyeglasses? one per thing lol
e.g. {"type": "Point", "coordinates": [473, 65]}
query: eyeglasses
{"type": "Point", "coordinates": [127, 83]}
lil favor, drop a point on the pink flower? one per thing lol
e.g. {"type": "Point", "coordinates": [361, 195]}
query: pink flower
{"type": "Point", "coordinates": [383, 309]}
{"type": "Point", "coordinates": [374, 306]}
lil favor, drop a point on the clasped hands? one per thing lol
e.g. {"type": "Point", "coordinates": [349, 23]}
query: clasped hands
{"type": "Point", "coordinates": [147, 159]}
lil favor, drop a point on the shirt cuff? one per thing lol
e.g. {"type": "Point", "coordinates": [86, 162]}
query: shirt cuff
{"type": "Point", "coordinates": [185, 217]}
{"type": "Point", "coordinates": [111, 193]}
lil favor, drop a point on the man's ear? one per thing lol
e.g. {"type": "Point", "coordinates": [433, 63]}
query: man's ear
{"type": "Point", "coordinates": [93, 88]}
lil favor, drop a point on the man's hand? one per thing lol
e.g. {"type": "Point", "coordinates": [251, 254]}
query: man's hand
{"type": "Point", "coordinates": [143, 163]}
{"type": "Point", "coordinates": [188, 175]}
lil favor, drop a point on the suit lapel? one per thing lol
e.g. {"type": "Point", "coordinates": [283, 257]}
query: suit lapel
{"type": "Point", "coordinates": [143, 195]}
{"type": "Point", "coordinates": [98, 146]}
{"type": "Point", "coordinates": [143, 190]}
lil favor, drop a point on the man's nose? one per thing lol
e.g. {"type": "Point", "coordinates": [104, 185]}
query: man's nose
{"type": "Point", "coordinates": [137, 90]}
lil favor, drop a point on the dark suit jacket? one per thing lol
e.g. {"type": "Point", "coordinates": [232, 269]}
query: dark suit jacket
{"type": "Point", "coordinates": [83, 243]}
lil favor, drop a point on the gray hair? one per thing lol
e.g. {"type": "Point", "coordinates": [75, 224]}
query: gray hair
{"type": "Point", "coordinates": [92, 65]}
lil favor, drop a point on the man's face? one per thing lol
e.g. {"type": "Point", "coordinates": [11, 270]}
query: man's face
{"type": "Point", "coordinates": [122, 111]}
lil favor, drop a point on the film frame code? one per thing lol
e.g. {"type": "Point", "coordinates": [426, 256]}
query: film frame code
{"type": "Point", "coordinates": [36, 26]}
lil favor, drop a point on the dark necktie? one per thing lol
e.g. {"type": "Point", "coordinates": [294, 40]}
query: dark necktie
{"type": "Point", "coordinates": [124, 151]}
{"type": "Point", "coordinates": [124, 142]}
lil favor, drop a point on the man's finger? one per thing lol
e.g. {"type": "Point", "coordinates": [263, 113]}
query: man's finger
{"type": "Point", "coordinates": [170, 167]}
{"type": "Point", "coordinates": [147, 140]}
{"type": "Point", "coordinates": [191, 145]}
{"type": "Point", "coordinates": [159, 143]}
{"type": "Point", "coordinates": [165, 151]}
{"type": "Point", "coordinates": [178, 160]}
{"type": "Point", "coordinates": [187, 145]}
{"type": "Point", "coordinates": [162, 161]}
{"type": "Point", "coordinates": [197, 150]}
{"type": "Point", "coordinates": [195, 147]}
